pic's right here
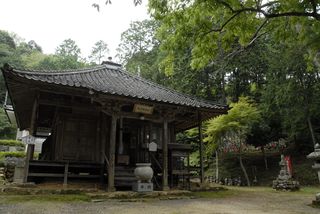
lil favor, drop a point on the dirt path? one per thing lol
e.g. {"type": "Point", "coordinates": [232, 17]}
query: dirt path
{"type": "Point", "coordinates": [241, 202]}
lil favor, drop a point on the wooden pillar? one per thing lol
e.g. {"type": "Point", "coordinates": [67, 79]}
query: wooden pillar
{"type": "Point", "coordinates": [33, 115]}
{"type": "Point", "coordinates": [120, 149]}
{"type": "Point", "coordinates": [200, 147]}
{"type": "Point", "coordinates": [165, 155]}
{"type": "Point", "coordinates": [189, 182]}
{"type": "Point", "coordinates": [103, 141]}
{"type": "Point", "coordinates": [103, 138]}
{"type": "Point", "coordinates": [65, 175]}
{"type": "Point", "coordinates": [29, 156]}
{"type": "Point", "coordinates": [112, 149]}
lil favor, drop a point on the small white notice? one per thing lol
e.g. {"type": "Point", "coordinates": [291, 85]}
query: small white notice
{"type": "Point", "coordinates": [153, 147]}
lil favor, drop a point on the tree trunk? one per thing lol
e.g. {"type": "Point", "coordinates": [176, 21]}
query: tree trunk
{"type": "Point", "coordinates": [217, 167]}
{"type": "Point", "coordinates": [311, 131]}
{"type": "Point", "coordinates": [264, 157]}
{"type": "Point", "coordinates": [244, 170]}
{"type": "Point", "coordinates": [239, 137]}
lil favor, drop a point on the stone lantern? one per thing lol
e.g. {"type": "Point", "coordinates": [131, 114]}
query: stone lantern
{"type": "Point", "coordinates": [316, 157]}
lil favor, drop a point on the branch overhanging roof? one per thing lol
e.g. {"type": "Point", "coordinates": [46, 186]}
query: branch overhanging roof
{"type": "Point", "coordinates": [112, 79]}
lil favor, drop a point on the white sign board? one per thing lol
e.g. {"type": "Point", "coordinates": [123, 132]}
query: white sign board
{"type": "Point", "coordinates": [153, 147]}
{"type": "Point", "coordinates": [29, 139]}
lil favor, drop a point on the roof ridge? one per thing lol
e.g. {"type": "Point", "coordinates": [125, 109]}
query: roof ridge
{"type": "Point", "coordinates": [58, 72]}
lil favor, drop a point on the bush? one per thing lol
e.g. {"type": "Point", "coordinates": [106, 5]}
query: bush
{"type": "Point", "coordinates": [304, 173]}
{"type": "Point", "coordinates": [3, 155]}
{"type": "Point", "coordinates": [12, 154]}
{"type": "Point", "coordinates": [254, 163]}
{"type": "Point", "coordinates": [11, 143]}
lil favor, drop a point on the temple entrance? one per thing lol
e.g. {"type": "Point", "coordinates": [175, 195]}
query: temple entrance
{"type": "Point", "coordinates": [133, 139]}
{"type": "Point", "coordinates": [132, 146]}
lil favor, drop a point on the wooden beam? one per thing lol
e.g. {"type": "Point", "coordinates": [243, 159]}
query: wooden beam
{"type": "Point", "coordinates": [200, 147]}
{"type": "Point", "coordinates": [112, 146]}
{"type": "Point", "coordinates": [165, 155]}
{"type": "Point", "coordinates": [72, 104]}
{"type": "Point", "coordinates": [132, 115]}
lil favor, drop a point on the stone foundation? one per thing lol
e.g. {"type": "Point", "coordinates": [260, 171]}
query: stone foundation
{"type": "Point", "coordinates": [290, 185]}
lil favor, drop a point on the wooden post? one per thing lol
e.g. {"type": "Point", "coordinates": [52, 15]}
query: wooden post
{"type": "Point", "coordinates": [34, 115]}
{"type": "Point", "coordinates": [103, 139]}
{"type": "Point", "coordinates": [165, 156]}
{"type": "Point", "coordinates": [217, 166]}
{"type": "Point", "coordinates": [112, 148]}
{"type": "Point", "coordinates": [65, 175]}
{"type": "Point", "coordinates": [188, 160]}
{"type": "Point", "coordinates": [29, 156]}
{"type": "Point", "coordinates": [120, 149]}
{"type": "Point", "coordinates": [200, 147]}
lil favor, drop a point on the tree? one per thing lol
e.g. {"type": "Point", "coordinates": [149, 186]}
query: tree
{"type": "Point", "coordinates": [68, 48]}
{"type": "Point", "coordinates": [6, 39]}
{"type": "Point", "coordinates": [26, 48]}
{"type": "Point", "coordinates": [233, 128]}
{"type": "Point", "coordinates": [99, 51]}
{"type": "Point", "coordinates": [232, 26]}
{"type": "Point", "coordinates": [7, 130]}
{"type": "Point", "coordinates": [139, 51]}
{"type": "Point", "coordinates": [292, 94]}
{"type": "Point", "coordinates": [8, 54]}
{"type": "Point", "coordinates": [67, 57]}
{"type": "Point", "coordinates": [97, 6]}
{"type": "Point", "coordinates": [139, 38]}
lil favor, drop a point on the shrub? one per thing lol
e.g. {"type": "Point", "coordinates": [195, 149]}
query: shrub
{"type": "Point", "coordinates": [12, 154]}
{"type": "Point", "coordinates": [11, 143]}
{"type": "Point", "coordinates": [3, 155]}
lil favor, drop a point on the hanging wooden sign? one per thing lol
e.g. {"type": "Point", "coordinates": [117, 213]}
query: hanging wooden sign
{"type": "Point", "coordinates": [145, 109]}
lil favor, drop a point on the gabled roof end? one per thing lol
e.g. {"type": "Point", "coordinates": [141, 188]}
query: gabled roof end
{"type": "Point", "coordinates": [112, 64]}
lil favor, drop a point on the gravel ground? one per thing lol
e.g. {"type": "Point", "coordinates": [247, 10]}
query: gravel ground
{"type": "Point", "coordinates": [255, 202]}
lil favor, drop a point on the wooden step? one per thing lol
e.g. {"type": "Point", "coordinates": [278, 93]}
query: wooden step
{"type": "Point", "coordinates": [52, 175]}
{"type": "Point", "coordinates": [125, 178]}
{"type": "Point", "coordinates": [59, 175]}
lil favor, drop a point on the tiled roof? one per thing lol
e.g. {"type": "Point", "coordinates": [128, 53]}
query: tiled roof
{"type": "Point", "coordinates": [111, 79]}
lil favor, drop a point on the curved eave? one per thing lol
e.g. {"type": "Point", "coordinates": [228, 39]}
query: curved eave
{"type": "Point", "coordinates": [202, 103]}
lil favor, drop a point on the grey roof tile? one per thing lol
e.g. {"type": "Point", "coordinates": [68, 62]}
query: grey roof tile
{"type": "Point", "coordinates": [113, 80]}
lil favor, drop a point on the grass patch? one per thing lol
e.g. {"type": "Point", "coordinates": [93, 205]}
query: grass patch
{"type": "Point", "coordinates": [309, 190]}
{"type": "Point", "coordinates": [315, 206]}
{"type": "Point", "coordinates": [45, 198]}
{"type": "Point", "coordinates": [215, 194]}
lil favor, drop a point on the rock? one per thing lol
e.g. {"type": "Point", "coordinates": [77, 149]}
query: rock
{"type": "Point", "coordinates": [318, 196]}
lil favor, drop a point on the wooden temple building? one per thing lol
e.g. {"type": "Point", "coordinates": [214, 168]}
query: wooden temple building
{"type": "Point", "coordinates": [100, 121]}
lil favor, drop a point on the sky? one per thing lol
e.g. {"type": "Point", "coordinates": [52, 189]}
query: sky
{"type": "Point", "coordinates": [49, 22]}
